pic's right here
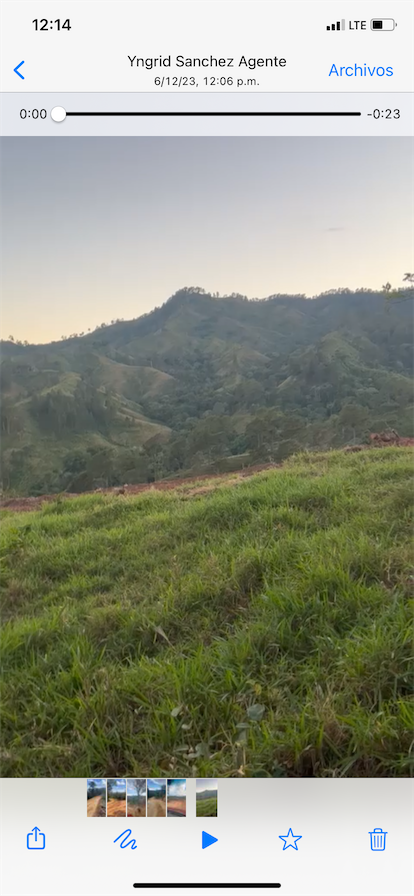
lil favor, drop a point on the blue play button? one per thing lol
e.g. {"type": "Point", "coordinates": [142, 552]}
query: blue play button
{"type": "Point", "coordinates": [207, 840]}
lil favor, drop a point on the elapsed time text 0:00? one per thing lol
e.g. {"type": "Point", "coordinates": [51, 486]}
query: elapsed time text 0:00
{"type": "Point", "coordinates": [33, 113]}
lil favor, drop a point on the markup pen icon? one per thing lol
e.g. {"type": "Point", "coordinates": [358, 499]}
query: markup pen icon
{"type": "Point", "coordinates": [36, 840]}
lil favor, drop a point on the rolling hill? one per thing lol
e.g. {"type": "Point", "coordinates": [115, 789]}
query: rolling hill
{"type": "Point", "coordinates": [204, 382]}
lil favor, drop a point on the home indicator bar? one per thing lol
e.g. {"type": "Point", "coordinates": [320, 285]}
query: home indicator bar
{"type": "Point", "coordinates": [186, 886]}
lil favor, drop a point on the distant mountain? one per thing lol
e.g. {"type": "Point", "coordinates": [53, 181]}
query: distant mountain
{"type": "Point", "coordinates": [203, 382]}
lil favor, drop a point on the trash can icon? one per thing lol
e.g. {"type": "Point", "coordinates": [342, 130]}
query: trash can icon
{"type": "Point", "coordinates": [378, 839]}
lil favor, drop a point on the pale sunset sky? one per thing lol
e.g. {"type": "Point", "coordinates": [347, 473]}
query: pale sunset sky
{"type": "Point", "coordinates": [99, 228]}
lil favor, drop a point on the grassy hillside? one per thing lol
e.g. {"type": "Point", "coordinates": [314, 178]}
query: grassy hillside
{"type": "Point", "coordinates": [166, 393]}
{"type": "Point", "coordinates": [206, 808]}
{"type": "Point", "coordinates": [259, 627]}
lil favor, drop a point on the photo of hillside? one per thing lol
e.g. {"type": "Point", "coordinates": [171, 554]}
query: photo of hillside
{"type": "Point", "coordinates": [202, 385]}
{"type": "Point", "coordinates": [206, 797]}
{"type": "Point", "coordinates": [206, 494]}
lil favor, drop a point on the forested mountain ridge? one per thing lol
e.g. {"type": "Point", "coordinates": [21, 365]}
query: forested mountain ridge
{"type": "Point", "coordinates": [204, 382]}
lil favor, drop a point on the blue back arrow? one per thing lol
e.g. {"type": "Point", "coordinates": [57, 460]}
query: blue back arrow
{"type": "Point", "coordinates": [207, 840]}
{"type": "Point", "coordinates": [17, 70]}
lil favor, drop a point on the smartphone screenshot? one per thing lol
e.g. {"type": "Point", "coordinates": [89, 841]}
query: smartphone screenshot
{"type": "Point", "coordinates": [207, 447]}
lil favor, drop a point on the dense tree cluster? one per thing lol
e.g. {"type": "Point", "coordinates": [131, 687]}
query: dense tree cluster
{"type": "Point", "coordinates": [87, 409]}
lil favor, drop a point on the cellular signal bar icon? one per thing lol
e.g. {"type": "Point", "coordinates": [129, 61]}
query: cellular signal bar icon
{"type": "Point", "coordinates": [336, 26]}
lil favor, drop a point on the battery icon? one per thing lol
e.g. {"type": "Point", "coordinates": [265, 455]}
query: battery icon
{"type": "Point", "coordinates": [382, 24]}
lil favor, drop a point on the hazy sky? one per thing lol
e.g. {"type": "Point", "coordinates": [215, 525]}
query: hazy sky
{"type": "Point", "coordinates": [99, 228]}
{"type": "Point", "coordinates": [135, 785]}
{"type": "Point", "coordinates": [206, 784]}
{"type": "Point", "coordinates": [117, 785]}
{"type": "Point", "coordinates": [99, 782]}
{"type": "Point", "coordinates": [176, 787]}
{"type": "Point", "coordinates": [156, 784]}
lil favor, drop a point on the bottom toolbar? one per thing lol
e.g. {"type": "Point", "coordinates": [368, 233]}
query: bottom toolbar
{"type": "Point", "coordinates": [306, 837]}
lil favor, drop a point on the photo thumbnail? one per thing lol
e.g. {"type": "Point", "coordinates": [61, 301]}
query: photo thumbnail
{"type": "Point", "coordinates": [156, 797]}
{"type": "Point", "coordinates": [117, 798]}
{"type": "Point", "coordinates": [96, 798]}
{"type": "Point", "coordinates": [176, 797]}
{"type": "Point", "coordinates": [136, 797]}
{"type": "Point", "coordinates": [206, 797]}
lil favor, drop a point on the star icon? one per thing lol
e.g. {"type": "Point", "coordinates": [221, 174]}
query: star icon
{"type": "Point", "coordinates": [290, 839]}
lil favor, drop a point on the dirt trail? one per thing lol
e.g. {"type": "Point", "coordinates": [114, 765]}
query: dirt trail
{"type": "Point", "coordinates": [116, 809]}
{"type": "Point", "coordinates": [94, 807]}
{"type": "Point", "coordinates": [383, 439]}
{"type": "Point", "coordinates": [176, 808]}
{"type": "Point", "coordinates": [136, 811]}
{"type": "Point", "coordinates": [377, 440]}
{"type": "Point", "coordinates": [156, 808]}
{"type": "Point", "coordinates": [31, 503]}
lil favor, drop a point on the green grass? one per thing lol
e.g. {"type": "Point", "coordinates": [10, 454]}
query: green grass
{"type": "Point", "coordinates": [264, 628]}
{"type": "Point", "coordinates": [206, 808]}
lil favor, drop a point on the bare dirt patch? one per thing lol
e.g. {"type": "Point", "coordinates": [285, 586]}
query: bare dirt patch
{"type": "Point", "coordinates": [34, 503]}
{"type": "Point", "coordinates": [18, 505]}
{"type": "Point", "coordinates": [96, 807]}
{"type": "Point", "coordinates": [156, 808]}
{"type": "Point", "coordinates": [116, 809]}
